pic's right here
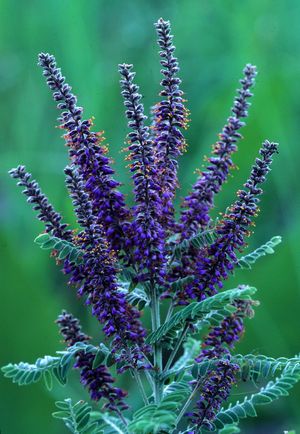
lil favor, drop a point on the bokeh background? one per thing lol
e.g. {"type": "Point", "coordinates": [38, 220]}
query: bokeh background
{"type": "Point", "coordinates": [214, 39]}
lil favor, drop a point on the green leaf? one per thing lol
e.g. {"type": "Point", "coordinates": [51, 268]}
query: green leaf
{"type": "Point", "coordinates": [230, 429]}
{"type": "Point", "coordinates": [271, 392]}
{"type": "Point", "coordinates": [191, 350]}
{"type": "Point", "coordinates": [128, 275]}
{"type": "Point", "coordinates": [48, 379]}
{"type": "Point", "coordinates": [65, 248]}
{"type": "Point", "coordinates": [197, 310]}
{"type": "Point", "coordinates": [266, 249]}
{"type": "Point", "coordinates": [252, 368]}
{"type": "Point", "coordinates": [213, 318]}
{"type": "Point", "coordinates": [137, 296]}
{"type": "Point", "coordinates": [202, 239]}
{"type": "Point", "coordinates": [77, 417]}
{"type": "Point", "coordinates": [258, 368]}
{"type": "Point", "coordinates": [46, 367]}
{"type": "Point", "coordinates": [154, 418]}
{"type": "Point", "coordinates": [178, 285]}
{"type": "Point", "coordinates": [111, 424]}
{"type": "Point", "coordinates": [25, 373]}
{"type": "Point", "coordinates": [99, 358]}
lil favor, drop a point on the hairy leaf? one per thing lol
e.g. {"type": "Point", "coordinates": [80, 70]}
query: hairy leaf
{"type": "Point", "coordinates": [230, 429]}
{"type": "Point", "coordinates": [137, 296]}
{"type": "Point", "coordinates": [191, 350]}
{"type": "Point", "coordinates": [77, 417]}
{"type": "Point", "coordinates": [252, 368]}
{"type": "Point", "coordinates": [111, 424]}
{"type": "Point", "coordinates": [202, 239]}
{"type": "Point", "coordinates": [65, 249]}
{"type": "Point", "coordinates": [197, 310]}
{"type": "Point", "coordinates": [154, 418]}
{"type": "Point", "coordinates": [258, 368]}
{"type": "Point", "coordinates": [272, 391]}
{"type": "Point", "coordinates": [266, 249]}
{"type": "Point", "coordinates": [26, 373]}
{"type": "Point", "coordinates": [179, 284]}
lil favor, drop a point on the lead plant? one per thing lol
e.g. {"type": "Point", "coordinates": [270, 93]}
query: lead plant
{"type": "Point", "coordinates": [124, 261]}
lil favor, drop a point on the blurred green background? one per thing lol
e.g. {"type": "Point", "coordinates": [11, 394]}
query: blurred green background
{"type": "Point", "coordinates": [214, 39]}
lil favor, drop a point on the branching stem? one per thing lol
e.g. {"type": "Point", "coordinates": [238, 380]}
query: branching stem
{"type": "Point", "coordinates": [155, 318]}
{"type": "Point", "coordinates": [177, 346]}
{"type": "Point", "coordinates": [186, 405]}
{"type": "Point", "coordinates": [139, 382]}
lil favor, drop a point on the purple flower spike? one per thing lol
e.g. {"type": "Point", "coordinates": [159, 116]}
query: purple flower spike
{"type": "Point", "coordinates": [40, 202]}
{"type": "Point", "coordinates": [224, 337]}
{"type": "Point", "coordinates": [147, 232]}
{"type": "Point", "coordinates": [200, 201]}
{"type": "Point", "coordinates": [213, 393]}
{"type": "Point", "coordinates": [89, 155]}
{"type": "Point", "coordinates": [97, 279]}
{"type": "Point", "coordinates": [214, 263]}
{"type": "Point", "coordinates": [170, 116]}
{"type": "Point", "coordinates": [97, 380]}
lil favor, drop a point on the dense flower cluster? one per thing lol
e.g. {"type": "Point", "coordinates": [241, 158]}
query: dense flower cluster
{"type": "Point", "coordinates": [40, 202]}
{"type": "Point", "coordinates": [215, 262]}
{"type": "Point", "coordinates": [126, 259]}
{"type": "Point", "coordinates": [200, 201]}
{"type": "Point", "coordinates": [223, 337]}
{"type": "Point", "coordinates": [97, 276]}
{"type": "Point", "coordinates": [170, 116]}
{"type": "Point", "coordinates": [97, 380]}
{"type": "Point", "coordinates": [147, 231]}
{"type": "Point", "coordinates": [89, 156]}
{"type": "Point", "coordinates": [215, 390]}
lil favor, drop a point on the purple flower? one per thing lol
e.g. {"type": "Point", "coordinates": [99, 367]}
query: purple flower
{"type": "Point", "coordinates": [200, 201]}
{"type": "Point", "coordinates": [70, 329]}
{"type": "Point", "coordinates": [215, 390]}
{"type": "Point", "coordinates": [97, 380]}
{"type": "Point", "coordinates": [97, 279]}
{"type": "Point", "coordinates": [221, 338]}
{"type": "Point", "coordinates": [40, 203]}
{"type": "Point", "coordinates": [170, 116]}
{"type": "Point", "coordinates": [148, 236]}
{"type": "Point", "coordinates": [214, 263]}
{"type": "Point", "coordinates": [89, 155]}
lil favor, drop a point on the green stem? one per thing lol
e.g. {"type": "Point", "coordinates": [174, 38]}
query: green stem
{"type": "Point", "coordinates": [186, 405]}
{"type": "Point", "coordinates": [147, 360]}
{"type": "Point", "coordinates": [150, 379]}
{"type": "Point", "coordinates": [139, 382]}
{"type": "Point", "coordinates": [121, 417]}
{"type": "Point", "coordinates": [155, 317]}
{"type": "Point", "coordinates": [170, 311]}
{"type": "Point", "coordinates": [177, 346]}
